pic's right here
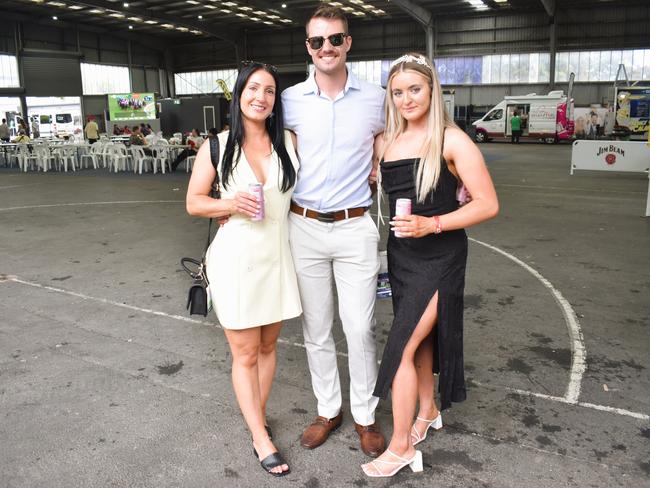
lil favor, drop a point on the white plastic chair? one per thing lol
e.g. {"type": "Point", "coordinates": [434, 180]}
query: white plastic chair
{"type": "Point", "coordinates": [67, 155]}
{"type": "Point", "coordinates": [118, 156]}
{"type": "Point", "coordinates": [26, 158]}
{"type": "Point", "coordinates": [93, 152]}
{"type": "Point", "coordinates": [162, 155]}
{"type": "Point", "coordinates": [140, 159]}
{"type": "Point", "coordinates": [46, 159]}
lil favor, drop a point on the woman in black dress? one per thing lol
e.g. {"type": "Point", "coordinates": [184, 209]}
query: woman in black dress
{"type": "Point", "coordinates": [424, 157]}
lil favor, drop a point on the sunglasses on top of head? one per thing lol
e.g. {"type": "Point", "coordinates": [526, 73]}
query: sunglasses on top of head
{"type": "Point", "coordinates": [270, 67]}
{"type": "Point", "coordinates": [317, 42]}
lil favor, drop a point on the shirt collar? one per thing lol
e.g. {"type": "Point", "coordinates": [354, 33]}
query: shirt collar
{"type": "Point", "coordinates": [312, 87]}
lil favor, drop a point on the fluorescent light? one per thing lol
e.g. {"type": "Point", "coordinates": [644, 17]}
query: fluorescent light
{"type": "Point", "coordinates": [151, 22]}
{"type": "Point", "coordinates": [255, 19]}
{"type": "Point", "coordinates": [285, 21]}
{"type": "Point", "coordinates": [167, 26]}
{"type": "Point", "coordinates": [211, 7]}
{"type": "Point", "coordinates": [246, 9]}
{"type": "Point", "coordinates": [96, 11]}
{"type": "Point", "coordinates": [116, 15]}
{"type": "Point", "coordinates": [135, 19]}
{"type": "Point", "coordinates": [56, 4]}
{"type": "Point", "coordinates": [182, 29]}
{"type": "Point", "coordinates": [268, 22]}
{"type": "Point", "coordinates": [226, 11]}
{"type": "Point", "coordinates": [230, 4]}
{"type": "Point", "coordinates": [239, 14]}
{"type": "Point", "coordinates": [54, 17]}
{"type": "Point", "coordinates": [273, 16]}
{"type": "Point", "coordinates": [75, 7]}
{"type": "Point", "coordinates": [192, 2]}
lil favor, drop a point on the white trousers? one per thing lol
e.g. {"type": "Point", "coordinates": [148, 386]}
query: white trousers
{"type": "Point", "coordinates": [345, 252]}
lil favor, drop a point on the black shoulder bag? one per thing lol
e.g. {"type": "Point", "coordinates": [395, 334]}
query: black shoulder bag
{"type": "Point", "coordinates": [197, 298]}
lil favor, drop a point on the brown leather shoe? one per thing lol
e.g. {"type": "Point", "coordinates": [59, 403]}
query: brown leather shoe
{"type": "Point", "coordinates": [372, 441]}
{"type": "Point", "coordinates": [318, 432]}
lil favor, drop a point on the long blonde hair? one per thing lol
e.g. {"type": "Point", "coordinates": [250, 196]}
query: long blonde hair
{"type": "Point", "coordinates": [429, 169]}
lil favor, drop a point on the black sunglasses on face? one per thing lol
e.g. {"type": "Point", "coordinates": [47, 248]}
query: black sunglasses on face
{"type": "Point", "coordinates": [317, 42]}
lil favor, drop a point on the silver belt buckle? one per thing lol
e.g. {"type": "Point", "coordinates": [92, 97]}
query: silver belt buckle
{"type": "Point", "coordinates": [326, 218]}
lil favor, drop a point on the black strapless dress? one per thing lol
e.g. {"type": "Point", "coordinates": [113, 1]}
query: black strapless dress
{"type": "Point", "coordinates": [418, 268]}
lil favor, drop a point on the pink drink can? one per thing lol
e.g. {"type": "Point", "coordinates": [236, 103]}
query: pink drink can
{"type": "Point", "coordinates": [257, 190]}
{"type": "Point", "coordinates": [402, 207]}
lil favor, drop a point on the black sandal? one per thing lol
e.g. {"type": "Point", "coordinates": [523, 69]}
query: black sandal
{"type": "Point", "coordinates": [273, 461]}
{"type": "Point", "coordinates": [268, 431]}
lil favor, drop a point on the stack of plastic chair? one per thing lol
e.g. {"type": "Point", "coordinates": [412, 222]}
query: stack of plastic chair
{"type": "Point", "coordinates": [140, 159]}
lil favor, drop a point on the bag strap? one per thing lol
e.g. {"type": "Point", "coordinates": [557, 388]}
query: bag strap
{"type": "Point", "coordinates": [216, 189]}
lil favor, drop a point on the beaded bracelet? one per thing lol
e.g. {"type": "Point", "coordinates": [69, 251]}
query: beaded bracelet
{"type": "Point", "coordinates": [438, 228]}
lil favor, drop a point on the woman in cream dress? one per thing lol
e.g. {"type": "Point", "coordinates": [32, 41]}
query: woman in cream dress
{"type": "Point", "coordinates": [252, 281]}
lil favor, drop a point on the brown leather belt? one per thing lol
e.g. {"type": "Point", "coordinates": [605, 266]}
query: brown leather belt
{"type": "Point", "coordinates": [328, 217]}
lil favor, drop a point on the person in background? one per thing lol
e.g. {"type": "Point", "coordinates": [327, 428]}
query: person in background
{"type": "Point", "coordinates": [225, 128]}
{"type": "Point", "coordinates": [36, 132]}
{"type": "Point", "coordinates": [4, 131]}
{"type": "Point", "coordinates": [126, 131]}
{"type": "Point", "coordinates": [144, 130]}
{"type": "Point", "coordinates": [515, 126]}
{"type": "Point", "coordinates": [21, 137]}
{"type": "Point", "coordinates": [92, 130]}
{"type": "Point", "coordinates": [194, 141]}
{"type": "Point", "coordinates": [137, 139]}
{"type": "Point", "coordinates": [249, 266]}
{"type": "Point", "coordinates": [22, 126]}
{"type": "Point", "coordinates": [424, 157]}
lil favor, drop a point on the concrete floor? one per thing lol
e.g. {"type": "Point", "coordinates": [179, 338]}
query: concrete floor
{"type": "Point", "coordinates": [105, 381]}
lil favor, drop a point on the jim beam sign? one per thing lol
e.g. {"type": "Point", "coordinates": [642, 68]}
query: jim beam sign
{"type": "Point", "coordinates": [609, 152]}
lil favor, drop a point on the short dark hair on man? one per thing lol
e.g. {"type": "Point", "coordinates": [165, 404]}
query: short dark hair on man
{"type": "Point", "coordinates": [136, 127]}
{"type": "Point", "coordinates": [328, 12]}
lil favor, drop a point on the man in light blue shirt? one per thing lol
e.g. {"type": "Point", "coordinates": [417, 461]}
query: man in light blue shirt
{"type": "Point", "coordinates": [336, 118]}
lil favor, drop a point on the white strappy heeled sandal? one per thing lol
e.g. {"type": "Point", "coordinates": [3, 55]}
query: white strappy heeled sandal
{"type": "Point", "coordinates": [435, 424]}
{"type": "Point", "coordinates": [415, 463]}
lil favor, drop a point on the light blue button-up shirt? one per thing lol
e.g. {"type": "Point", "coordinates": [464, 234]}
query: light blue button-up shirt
{"type": "Point", "coordinates": [335, 142]}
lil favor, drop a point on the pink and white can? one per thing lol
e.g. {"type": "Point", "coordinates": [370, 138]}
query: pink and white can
{"type": "Point", "coordinates": [402, 207]}
{"type": "Point", "coordinates": [257, 190]}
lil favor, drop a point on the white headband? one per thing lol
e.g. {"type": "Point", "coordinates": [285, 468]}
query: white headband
{"type": "Point", "coordinates": [409, 58]}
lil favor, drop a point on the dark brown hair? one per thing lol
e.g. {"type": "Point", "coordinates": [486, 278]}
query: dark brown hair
{"type": "Point", "coordinates": [328, 12]}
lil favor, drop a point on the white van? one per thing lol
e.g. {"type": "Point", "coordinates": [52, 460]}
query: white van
{"type": "Point", "coordinates": [543, 117]}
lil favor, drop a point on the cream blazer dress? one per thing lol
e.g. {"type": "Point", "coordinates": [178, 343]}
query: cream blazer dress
{"type": "Point", "coordinates": [249, 265]}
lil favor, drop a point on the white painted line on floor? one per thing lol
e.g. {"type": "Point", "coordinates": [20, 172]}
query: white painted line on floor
{"type": "Point", "coordinates": [572, 190]}
{"type": "Point", "coordinates": [15, 279]}
{"type": "Point", "coordinates": [182, 318]}
{"type": "Point", "coordinates": [578, 353]}
{"type": "Point", "coordinates": [53, 205]}
{"type": "Point", "coordinates": [18, 186]}
{"type": "Point", "coordinates": [602, 408]}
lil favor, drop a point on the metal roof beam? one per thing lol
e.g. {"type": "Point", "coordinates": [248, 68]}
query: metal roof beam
{"type": "Point", "coordinates": [416, 11]}
{"type": "Point", "coordinates": [223, 33]}
{"type": "Point", "coordinates": [549, 6]}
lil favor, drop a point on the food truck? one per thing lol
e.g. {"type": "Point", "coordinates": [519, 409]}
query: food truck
{"type": "Point", "coordinates": [548, 118]}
